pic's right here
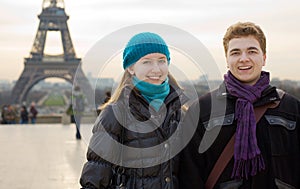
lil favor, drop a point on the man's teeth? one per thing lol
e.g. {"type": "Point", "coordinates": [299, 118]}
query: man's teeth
{"type": "Point", "coordinates": [244, 67]}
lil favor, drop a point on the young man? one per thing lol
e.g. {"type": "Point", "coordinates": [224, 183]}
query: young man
{"type": "Point", "coordinates": [265, 152]}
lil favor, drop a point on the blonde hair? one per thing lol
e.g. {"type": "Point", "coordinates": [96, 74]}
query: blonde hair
{"type": "Point", "coordinates": [126, 80]}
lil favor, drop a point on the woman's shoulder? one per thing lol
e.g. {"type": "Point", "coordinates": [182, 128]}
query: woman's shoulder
{"type": "Point", "coordinates": [109, 118]}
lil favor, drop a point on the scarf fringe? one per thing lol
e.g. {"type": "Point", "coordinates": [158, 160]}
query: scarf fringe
{"type": "Point", "coordinates": [242, 168]}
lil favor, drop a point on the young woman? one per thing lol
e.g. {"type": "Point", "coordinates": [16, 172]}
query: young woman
{"type": "Point", "coordinates": [150, 103]}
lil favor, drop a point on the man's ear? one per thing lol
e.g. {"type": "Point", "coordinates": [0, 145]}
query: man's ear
{"type": "Point", "coordinates": [227, 66]}
{"type": "Point", "coordinates": [265, 57]}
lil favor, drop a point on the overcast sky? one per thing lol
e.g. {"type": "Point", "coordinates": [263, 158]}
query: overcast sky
{"type": "Point", "coordinates": [92, 20]}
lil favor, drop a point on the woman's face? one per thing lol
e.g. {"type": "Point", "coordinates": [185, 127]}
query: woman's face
{"type": "Point", "coordinates": [152, 68]}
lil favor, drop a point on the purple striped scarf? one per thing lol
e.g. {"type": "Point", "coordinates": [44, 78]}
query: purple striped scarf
{"type": "Point", "coordinates": [247, 155]}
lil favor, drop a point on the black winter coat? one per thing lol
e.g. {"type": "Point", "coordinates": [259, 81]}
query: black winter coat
{"type": "Point", "coordinates": [97, 172]}
{"type": "Point", "coordinates": [278, 137]}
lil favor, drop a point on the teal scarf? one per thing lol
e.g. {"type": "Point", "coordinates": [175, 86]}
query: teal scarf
{"type": "Point", "coordinates": [154, 94]}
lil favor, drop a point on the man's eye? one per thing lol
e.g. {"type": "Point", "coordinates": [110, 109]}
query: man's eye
{"type": "Point", "coordinates": [252, 52]}
{"type": "Point", "coordinates": [234, 53]}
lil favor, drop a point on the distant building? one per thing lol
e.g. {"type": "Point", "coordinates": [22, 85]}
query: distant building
{"type": "Point", "coordinates": [5, 85]}
{"type": "Point", "coordinates": [103, 83]}
{"type": "Point", "coordinates": [100, 83]}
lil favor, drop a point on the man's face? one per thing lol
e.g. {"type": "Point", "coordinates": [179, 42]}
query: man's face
{"type": "Point", "coordinates": [245, 59]}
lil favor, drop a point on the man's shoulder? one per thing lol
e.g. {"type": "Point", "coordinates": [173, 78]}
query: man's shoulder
{"type": "Point", "coordinates": [288, 98]}
{"type": "Point", "coordinates": [289, 104]}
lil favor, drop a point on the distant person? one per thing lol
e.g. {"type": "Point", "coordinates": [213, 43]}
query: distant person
{"type": "Point", "coordinates": [24, 115]}
{"type": "Point", "coordinates": [263, 152]}
{"type": "Point", "coordinates": [33, 113]}
{"type": "Point", "coordinates": [78, 103]}
{"type": "Point", "coordinates": [70, 113]}
{"type": "Point", "coordinates": [106, 99]}
{"type": "Point", "coordinates": [3, 110]}
{"type": "Point", "coordinates": [10, 115]}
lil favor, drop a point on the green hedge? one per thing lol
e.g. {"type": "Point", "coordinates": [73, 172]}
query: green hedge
{"type": "Point", "coordinates": [55, 100]}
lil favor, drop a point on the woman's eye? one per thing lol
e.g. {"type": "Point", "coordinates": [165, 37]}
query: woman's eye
{"type": "Point", "coordinates": [162, 61]}
{"type": "Point", "coordinates": [146, 62]}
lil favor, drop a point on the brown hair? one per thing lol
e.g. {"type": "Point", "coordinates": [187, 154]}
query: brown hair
{"type": "Point", "coordinates": [244, 29]}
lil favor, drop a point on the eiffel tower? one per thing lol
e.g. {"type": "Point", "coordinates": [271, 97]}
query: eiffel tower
{"type": "Point", "coordinates": [39, 66]}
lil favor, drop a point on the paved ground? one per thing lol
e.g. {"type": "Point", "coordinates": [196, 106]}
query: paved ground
{"type": "Point", "coordinates": [42, 156]}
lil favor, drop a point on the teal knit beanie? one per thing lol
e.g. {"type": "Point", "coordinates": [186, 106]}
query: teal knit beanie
{"type": "Point", "coordinates": [142, 44]}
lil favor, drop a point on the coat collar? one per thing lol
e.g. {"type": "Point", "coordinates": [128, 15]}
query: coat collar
{"type": "Point", "coordinates": [268, 95]}
{"type": "Point", "coordinates": [175, 92]}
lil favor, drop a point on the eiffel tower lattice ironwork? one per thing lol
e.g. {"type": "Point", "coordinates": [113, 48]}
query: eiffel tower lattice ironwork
{"type": "Point", "coordinates": [39, 66]}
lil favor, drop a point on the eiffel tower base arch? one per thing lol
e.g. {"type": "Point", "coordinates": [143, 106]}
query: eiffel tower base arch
{"type": "Point", "coordinates": [34, 73]}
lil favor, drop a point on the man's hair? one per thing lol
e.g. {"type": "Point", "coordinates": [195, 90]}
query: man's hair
{"type": "Point", "coordinates": [244, 29]}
